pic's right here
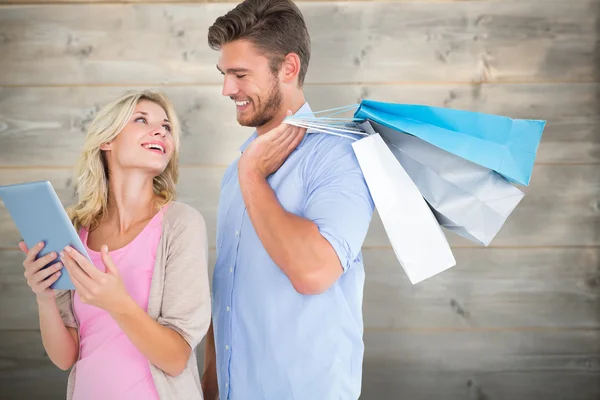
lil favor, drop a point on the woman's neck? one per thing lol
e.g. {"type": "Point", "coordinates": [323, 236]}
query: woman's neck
{"type": "Point", "coordinates": [131, 200]}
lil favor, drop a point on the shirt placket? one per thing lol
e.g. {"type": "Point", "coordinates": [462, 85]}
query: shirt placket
{"type": "Point", "coordinates": [236, 235]}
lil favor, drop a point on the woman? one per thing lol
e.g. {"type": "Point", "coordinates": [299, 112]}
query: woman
{"type": "Point", "coordinates": [130, 328]}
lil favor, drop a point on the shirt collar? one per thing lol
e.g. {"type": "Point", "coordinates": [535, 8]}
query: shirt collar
{"type": "Point", "coordinates": [304, 111]}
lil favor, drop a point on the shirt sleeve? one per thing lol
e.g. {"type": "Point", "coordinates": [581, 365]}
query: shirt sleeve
{"type": "Point", "coordinates": [186, 300]}
{"type": "Point", "coordinates": [64, 301]}
{"type": "Point", "coordinates": [338, 199]}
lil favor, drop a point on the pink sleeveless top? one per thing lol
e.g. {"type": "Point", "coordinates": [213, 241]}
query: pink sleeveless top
{"type": "Point", "coordinates": [111, 367]}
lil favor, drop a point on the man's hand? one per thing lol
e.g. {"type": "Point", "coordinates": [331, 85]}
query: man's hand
{"type": "Point", "coordinates": [268, 152]}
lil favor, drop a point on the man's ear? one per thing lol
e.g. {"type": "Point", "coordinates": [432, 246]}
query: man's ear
{"type": "Point", "coordinates": [291, 68]}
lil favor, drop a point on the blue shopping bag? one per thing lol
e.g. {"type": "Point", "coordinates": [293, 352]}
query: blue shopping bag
{"type": "Point", "coordinates": [507, 146]}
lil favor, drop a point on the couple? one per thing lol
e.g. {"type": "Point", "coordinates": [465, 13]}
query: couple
{"type": "Point", "coordinates": [294, 210]}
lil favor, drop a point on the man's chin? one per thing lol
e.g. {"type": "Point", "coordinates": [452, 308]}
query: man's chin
{"type": "Point", "coordinates": [245, 122]}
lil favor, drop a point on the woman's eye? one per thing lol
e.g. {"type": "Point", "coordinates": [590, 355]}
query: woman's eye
{"type": "Point", "coordinates": [167, 127]}
{"type": "Point", "coordinates": [140, 119]}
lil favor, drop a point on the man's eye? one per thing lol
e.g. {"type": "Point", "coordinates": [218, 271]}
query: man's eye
{"type": "Point", "coordinates": [240, 76]}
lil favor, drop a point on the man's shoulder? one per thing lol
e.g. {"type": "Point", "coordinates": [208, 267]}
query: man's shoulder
{"type": "Point", "coordinates": [327, 148]}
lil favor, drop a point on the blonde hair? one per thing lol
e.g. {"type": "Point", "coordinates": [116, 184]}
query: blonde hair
{"type": "Point", "coordinates": [91, 173]}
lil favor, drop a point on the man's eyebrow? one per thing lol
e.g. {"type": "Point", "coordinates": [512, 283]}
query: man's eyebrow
{"type": "Point", "coordinates": [234, 70]}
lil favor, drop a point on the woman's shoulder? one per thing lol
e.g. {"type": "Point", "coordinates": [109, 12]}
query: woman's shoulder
{"type": "Point", "coordinates": [179, 213]}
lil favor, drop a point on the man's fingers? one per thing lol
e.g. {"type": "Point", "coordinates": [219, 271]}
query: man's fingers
{"type": "Point", "coordinates": [297, 139]}
{"type": "Point", "coordinates": [280, 133]}
{"type": "Point", "coordinates": [293, 140]}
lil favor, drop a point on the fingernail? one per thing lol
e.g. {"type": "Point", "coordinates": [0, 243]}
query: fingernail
{"type": "Point", "coordinates": [68, 249]}
{"type": "Point", "coordinates": [105, 248]}
{"type": "Point", "coordinates": [40, 244]}
{"type": "Point", "coordinates": [58, 266]}
{"type": "Point", "coordinates": [62, 253]}
{"type": "Point", "coordinates": [53, 254]}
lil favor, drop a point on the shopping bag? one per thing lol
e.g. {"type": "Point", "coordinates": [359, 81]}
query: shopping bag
{"type": "Point", "coordinates": [466, 198]}
{"type": "Point", "coordinates": [507, 146]}
{"type": "Point", "coordinates": [414, 233]}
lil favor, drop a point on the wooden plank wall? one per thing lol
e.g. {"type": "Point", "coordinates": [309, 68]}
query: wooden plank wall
{"type": "Point", "coordinates": [517, 320]}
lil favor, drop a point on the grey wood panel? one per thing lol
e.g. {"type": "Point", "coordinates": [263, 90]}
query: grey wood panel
{"type": "Point", "coordinates": [398, 41]}
{"type": "Point", "coordinates": [554, 365]}
{"type": "Point", "coordinates": [488, 289]}
{"type": "Point", "coordinates": [557, 365]}
{"type": "Point", "coordinates": [560, 207]}
{"type": "Point", "coordinates": [25, 370]}
{"type": "Point", "coordinates": [46, 126]}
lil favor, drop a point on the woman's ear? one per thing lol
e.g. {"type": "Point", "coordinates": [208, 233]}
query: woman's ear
{"type": "Point", "coordinates": [106, 146]}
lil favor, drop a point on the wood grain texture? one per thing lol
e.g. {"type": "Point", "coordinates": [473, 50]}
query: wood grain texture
{"type": "Point", "coordinates": [556, 365]}
{"type": "Point", "coordinates": [560, 208]}
{"type": "Point", "coordinates": [47, 126]}
{"type": "Point", "coordinates": [26, 372]}
{"type": "Point", "coordinates": [456, 41]}
{"type": "Point", "coordinates": [489, 290]}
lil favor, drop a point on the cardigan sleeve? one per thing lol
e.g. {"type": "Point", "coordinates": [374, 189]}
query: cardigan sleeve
{"type": "Point", "coordinates": [186, 299]}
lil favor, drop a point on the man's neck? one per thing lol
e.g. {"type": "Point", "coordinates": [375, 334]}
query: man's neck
{"type": "Point", "coordinates": [293, 104]}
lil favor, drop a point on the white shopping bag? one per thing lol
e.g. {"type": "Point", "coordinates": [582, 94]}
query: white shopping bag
{"type": "Point", "coordinates": [414, 232]}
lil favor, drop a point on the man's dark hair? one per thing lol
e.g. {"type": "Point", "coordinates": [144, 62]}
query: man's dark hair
{"type": "Point", "coordinates": [275, 27]}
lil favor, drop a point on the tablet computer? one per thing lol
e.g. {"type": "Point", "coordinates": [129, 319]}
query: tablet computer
{"type": "Point", "coordinates": [40, 217]}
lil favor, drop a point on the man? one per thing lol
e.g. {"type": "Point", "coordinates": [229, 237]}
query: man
{"type": "Point", "coordinates": [293, 214]}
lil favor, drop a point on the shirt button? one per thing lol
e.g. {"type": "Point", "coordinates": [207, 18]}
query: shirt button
{"type": "Point", "coordinates": [230, 269]}
{"type": "Point", "coordinates": [226, 347]}
{"type": "Point", "coordinates": [227, 308]}
{"type": "Point", "coordinates": [226, 385]}
{"type": "Point", "coordinates": [237, 233]}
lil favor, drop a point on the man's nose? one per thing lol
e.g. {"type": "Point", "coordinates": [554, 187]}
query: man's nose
{"type": "Point", "coordinates": [229, 87]}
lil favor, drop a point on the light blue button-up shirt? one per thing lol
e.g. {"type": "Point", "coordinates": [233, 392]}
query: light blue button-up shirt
{"type": "Point", "coordinates": [272, 342]}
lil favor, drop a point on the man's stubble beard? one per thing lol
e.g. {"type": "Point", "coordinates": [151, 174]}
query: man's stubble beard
{"type": "Point", "coordinates": [269, 110]}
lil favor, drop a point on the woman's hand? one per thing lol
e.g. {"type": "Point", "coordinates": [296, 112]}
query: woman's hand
{"type": "Point", "coordinates": [39, 278]}
{"type": "Point", "coordinates": [101, 289]}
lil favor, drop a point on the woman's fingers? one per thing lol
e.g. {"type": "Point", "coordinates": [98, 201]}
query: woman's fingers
{"type": "Point", "coordinates": [33, 252]}
{"type": "Point", "coordinates": [45, 284]}
{"type": "Point", "coordinates": [45, 273]}
{"type": "Point", "coordinates": [23, 247]}
{"type": "Point", "coordinates": [37, 265]}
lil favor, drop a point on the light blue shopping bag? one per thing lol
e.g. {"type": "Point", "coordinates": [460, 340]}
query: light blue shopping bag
{"type": "Point", "coordinates": [507, 146]}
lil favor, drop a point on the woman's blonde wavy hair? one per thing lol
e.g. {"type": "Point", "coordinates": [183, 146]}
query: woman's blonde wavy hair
{"type": "Point", "coordinates": [91, 173]}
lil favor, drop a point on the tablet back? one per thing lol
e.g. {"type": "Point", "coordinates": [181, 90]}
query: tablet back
{"type": "Point", "coordinates": [39, 216]}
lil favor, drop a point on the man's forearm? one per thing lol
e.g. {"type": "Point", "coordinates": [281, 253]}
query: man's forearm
{"type": "Point", "coordinates": [294, 243]}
